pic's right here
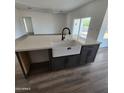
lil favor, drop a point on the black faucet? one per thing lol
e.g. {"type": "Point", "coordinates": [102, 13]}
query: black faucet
{"type": "Point", "coordinates": [63, 32]}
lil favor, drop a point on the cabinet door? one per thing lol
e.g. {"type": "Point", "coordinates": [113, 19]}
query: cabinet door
{"type": "Point", "coordinates": [91, 53]}
{"type": "Point", "coordinates": [73, 61]}
{"type": "Point", "coordinates": [83, 56]}
{"type": "Point", "coordinates": [24, 61]}
{"type": "Point", "coordinates": [88, 53]}
{"type": "Point", "coordinates": [58, 63]}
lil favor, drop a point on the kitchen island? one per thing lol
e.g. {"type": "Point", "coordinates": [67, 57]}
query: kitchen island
{"type": "Point", "coordinates": [31, 46]}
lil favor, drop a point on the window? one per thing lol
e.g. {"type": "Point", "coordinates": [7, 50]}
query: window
{"type": "Point", "coordinates": [76, 26]}
{"type": "Point", "coordinates": [105, 35]}
{"type": "Point", "coordinates": [28, 24]}
{"type": "Point", "coordinates": [25, 24]}
{"type": "Point", "coordinates": [81, 26]}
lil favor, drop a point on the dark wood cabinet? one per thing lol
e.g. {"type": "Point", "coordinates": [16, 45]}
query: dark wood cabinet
{"type": "Point", "coordinates": [65, 62]}
{"type": "Point", "coordinates": [73, 61]}
{"type": "Point", "coordinates": [88, 53]}
{"type": "Point", "coordinates": [58, 63]}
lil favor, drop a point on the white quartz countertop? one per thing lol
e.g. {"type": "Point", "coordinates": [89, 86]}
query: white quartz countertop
{"type": "Point", "coordinates": [38, 42]}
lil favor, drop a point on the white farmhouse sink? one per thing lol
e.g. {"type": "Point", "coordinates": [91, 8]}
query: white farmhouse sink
{"type": "Point", "coordinates": [65, 48]}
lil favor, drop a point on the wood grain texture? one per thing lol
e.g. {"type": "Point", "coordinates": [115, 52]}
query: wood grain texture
{"type": "Point", "coordinates": [91, 78]}
{"type": "Point", "coordinates": [24, 61]}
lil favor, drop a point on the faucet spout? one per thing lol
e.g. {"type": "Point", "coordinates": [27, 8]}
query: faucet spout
{"type": "Point", "coordinates": [63, 32]}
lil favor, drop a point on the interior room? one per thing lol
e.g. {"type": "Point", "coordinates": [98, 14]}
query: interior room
{"type": "Point", "coordinates": [61, 46]}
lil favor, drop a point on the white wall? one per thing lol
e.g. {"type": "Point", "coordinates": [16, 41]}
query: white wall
{"type": "Point", "coordinates": [19, 28]}
{"type": "Point", "coordinates": [104, 28]}
{"type": "Point", "coordinates": [96, 10]}
{"type": "Point", "coordinates": [46, 23]}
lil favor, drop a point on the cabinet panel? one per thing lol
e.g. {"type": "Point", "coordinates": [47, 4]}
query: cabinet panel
{"type": "Point", "coordinates": [73, 61]}
{"type": "Point", "coordinates": [83, 56]}
{"type": "Point", "coordinates": [38, 56]}
{"type": "Point", "coordinates": [65, 62]}
{"type": "Point", "coordinates": [92, 51]}
{"type": "Point", "coordinates": [24, 61]}
{"type": "Point", "coordinates": [58, 63]}
{"type": "Point", "coordinates": [88, 53]}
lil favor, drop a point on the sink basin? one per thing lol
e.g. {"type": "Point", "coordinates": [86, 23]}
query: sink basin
{"type": "Point", "coordinates": [65, 48]}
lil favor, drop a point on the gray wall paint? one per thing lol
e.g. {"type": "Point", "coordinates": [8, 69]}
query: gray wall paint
{"type": "Point", "coordinates": [19, 27]}
{"type": "Point", "coordinates": [96, 10]}
{"type": "Point", "coordinates": [45, 23]}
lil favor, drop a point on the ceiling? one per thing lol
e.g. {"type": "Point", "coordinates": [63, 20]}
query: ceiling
{"type": "Point", "coordinates": [51, 5]}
